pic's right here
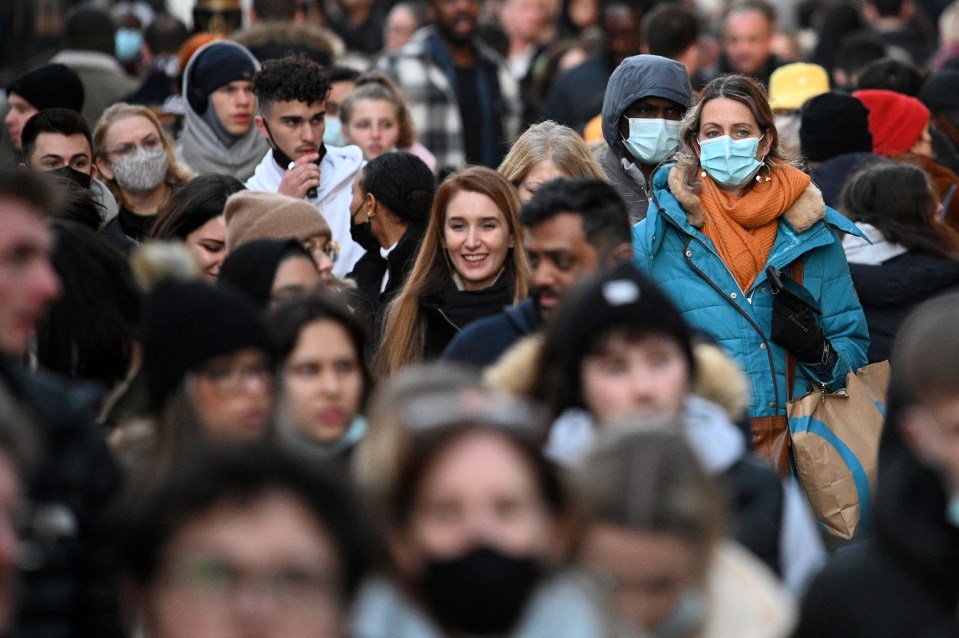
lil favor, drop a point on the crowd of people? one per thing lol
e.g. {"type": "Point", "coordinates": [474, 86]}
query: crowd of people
{"type": "Point", "coordinates": [472, 319]}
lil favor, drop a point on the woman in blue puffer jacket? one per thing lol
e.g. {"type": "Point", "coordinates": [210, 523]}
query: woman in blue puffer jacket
{"type": "Point", "coordinates": [729, 208]}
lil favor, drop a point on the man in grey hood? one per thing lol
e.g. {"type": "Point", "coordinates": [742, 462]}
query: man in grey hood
{"type": "Point", "coordinates": [645, 100]}
{"type": "Point", "coordinates": [219, 136]}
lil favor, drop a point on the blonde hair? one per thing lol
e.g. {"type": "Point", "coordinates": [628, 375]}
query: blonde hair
{"type": "Point", "coordinates": [550, 141]}
{"type": "Point", "coordinates": [176, 173]}
{"type": "Point", "coordinates": [404, 330]}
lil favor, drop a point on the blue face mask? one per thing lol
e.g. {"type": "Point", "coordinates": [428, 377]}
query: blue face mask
{"type": "Point", "coordinates": [127, 44]}
{"type": "Point", "coordinates": [333, 134]}
{"type": "Point", "coordinates": [952, 511]}
{"type": "Point", "coordinates": [687, 617]}
{"type": "Point", "coordinates": [652, 140]}
{"type": "Point", "coordinates": [731, 163]}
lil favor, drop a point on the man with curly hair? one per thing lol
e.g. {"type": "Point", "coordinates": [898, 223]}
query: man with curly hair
{"type": "Point", "coordinates": [292, 94]}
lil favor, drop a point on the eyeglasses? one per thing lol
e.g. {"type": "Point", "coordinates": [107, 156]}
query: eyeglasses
{"type": "Point", "coordinates": [321, 245]}
{"type": "Point", "coordinates": [231, 379]}
{"type": "Point", "coordinates": [151, 143]}
{"type": "Point", "coordinates": [216, 581]}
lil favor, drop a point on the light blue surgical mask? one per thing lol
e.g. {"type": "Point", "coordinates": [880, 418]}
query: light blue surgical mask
{"type": "Point", "coordinates": [952, 511]}
{"type": "Point", "coordinates": [127, 44]}
{"type": "Point", "coordinates": [652, 140]}
{"type": "Point", "coordinates": [333, 134]}
{"type": "Point", "coordinates": [731, 163]}
{"type": "Point", "coordinates": [686, 618]}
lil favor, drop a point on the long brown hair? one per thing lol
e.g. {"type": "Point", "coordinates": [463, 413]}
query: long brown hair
{"type": "Point", "coordinates": [404, 331]}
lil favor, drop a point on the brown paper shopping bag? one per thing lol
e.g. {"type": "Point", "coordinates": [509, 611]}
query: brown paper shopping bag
{"type": "Point", "coordinates": [835, 446]}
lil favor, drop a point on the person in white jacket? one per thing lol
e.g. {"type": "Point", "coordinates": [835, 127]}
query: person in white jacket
{"type": "Point", "coordinates": [292, 95]}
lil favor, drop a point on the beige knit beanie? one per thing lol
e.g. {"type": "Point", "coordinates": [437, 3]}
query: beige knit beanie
{"type": "Point", "coordinates": [256, 215]}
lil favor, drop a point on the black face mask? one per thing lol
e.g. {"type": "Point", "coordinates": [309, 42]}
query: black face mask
{"type": "Point", "coordinates": [362, 234]}
{"type": "Point", "coordinates": [482, 592]}
{"type": "Point", "coordinates": [72, 174]}
{"type": "Point", "coordinates": [282, 159]}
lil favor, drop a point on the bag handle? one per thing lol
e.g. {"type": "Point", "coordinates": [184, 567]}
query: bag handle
{"type": "Point", "coordinates": [796, 273]}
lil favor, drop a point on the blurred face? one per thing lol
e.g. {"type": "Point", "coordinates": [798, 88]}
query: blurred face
{"type": "Point", "coordinates": [325, 252]}
{"type": "Point", "coordinates": [208, 243]}
{"type": "Point", "coordinates": [233, 395]}
{"type": "Point", "coordinates": [646, 571]}
{"type": "Point", "coordinates": [455, 19]}
{"type": "Point", "coordinates": [294, 276]}
{"type": "Point", "coordinates": [479, 491]}
{"type": "Point", "coordinates": [747, 39]}
{"type": "Point", "coordinates": [541, 172]}
{"type": "Point", "coordinates": [374, 127]}
{"type": "Point", "coordinates": [923, 145]}
{"type": "Point", "coordinates": [624, 377]}
{"type": "Point", "coordinates": [235, 104]}
{"type": "Point", "coordinates": [338, 92]}
{"type": "Point", "coordinates": [28, 283]}
{"type": "Point", "coordinates": [559, 256]}
{"type": "Point", "coordinates": [53, 150]}
{"type": "Point", "coordinates": [476, 238]}
{"type": "Point", "coordinates": [524, 19]}
{"type": "Point", "coordinates": [933, 433]}
{"type": "Point", "coordinates": [297, 127]}
{"type": "Point", "coordinates": [399, 28]}
{"type": "Point", "coordinates": [9, 505]}
{"type": "Point", "coordinates": [20, 111]}
{"type": "Point", "coordinates": [323, 382]}
{"type": "Point", "coordinates": [252, 569]}
{"type": "Point", "coordinates": [623, 38]}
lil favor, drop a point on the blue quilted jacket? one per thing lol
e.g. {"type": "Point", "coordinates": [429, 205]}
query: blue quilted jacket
{"type": "Point", "coordinates": [669, 246]}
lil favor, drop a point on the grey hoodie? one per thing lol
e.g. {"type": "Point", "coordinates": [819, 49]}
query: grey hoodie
{"type": "Point", "coordinates": [637, 77]}
{"type": "Point", "coordinates": [201, 149]}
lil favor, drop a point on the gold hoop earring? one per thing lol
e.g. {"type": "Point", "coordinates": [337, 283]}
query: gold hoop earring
{"type": "Point", "coordinates": [759, 177]}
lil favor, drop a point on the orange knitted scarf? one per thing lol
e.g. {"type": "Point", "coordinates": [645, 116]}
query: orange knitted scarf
{"type": "Point", "coordinates": [744, 228]}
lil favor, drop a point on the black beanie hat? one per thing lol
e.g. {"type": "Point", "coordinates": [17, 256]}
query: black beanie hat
{"type": "Point", "coordinates": [832, 124]}
{"type": "Point", "coordinates": [618, 297]}
{"type": "Point", "coordinates": [186, 324]}
{"type": "Point", "coordinates": [251, 267]}
{"type": "Point", "coordinates": [216, 64]}
{"type": "Point", "coordinates": [50, 86]}
{"type": "Point", "coordinates": [940, 93]}
{"type": "Point", "coordinates": [403, 183]}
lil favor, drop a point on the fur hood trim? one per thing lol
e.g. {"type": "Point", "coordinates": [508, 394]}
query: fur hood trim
{"type": "Point", "coordinates": [808, 209]}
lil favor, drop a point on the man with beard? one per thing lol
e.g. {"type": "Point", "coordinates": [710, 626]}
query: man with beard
{"type": "Point", "coordinates": [572, 227]}
{"type": "Point", "coordinates": [463, 99]}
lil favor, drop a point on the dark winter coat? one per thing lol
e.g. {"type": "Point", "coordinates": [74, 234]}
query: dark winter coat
{"type": "Point", "coordinates": [484, 341]}
{"type": "Point", "coordinates": [890, 281]}
{"type": "Point", "coordinates": [448, 312]}
{"type": "Point", "coordinates": [73, 589]}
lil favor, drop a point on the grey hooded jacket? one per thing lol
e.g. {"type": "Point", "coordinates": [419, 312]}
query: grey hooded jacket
{"type": "Point", "coordinates": [637, 77]}
{"type": "Point", "coordinates": [201, 149]}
